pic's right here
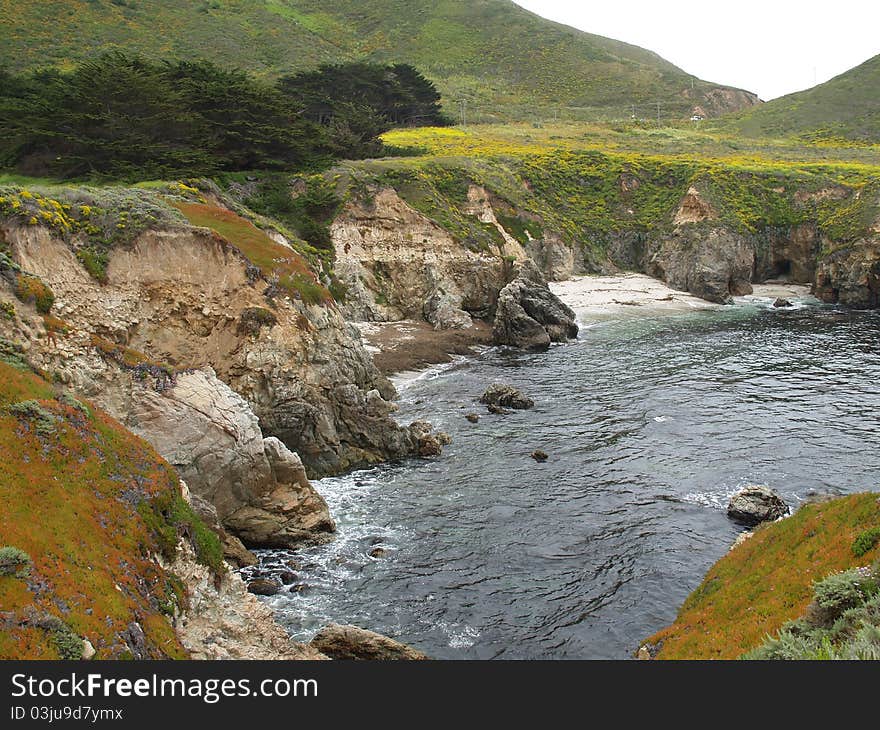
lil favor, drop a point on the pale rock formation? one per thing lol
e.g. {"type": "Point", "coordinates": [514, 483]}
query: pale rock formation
{"type": "Point", "coordinates": [351, 642]}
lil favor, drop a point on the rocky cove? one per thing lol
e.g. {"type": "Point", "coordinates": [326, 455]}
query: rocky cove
{"type": "Point", "coordinates": [250, 391]}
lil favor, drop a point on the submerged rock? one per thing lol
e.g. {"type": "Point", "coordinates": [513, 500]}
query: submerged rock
{"type": "Point", "coordinates": [529, 315]}
{"type": "Point", "coordinates": [539, 456]}
{"type": "Point", "coordinates": [473, 417]}
{"type": "Point", "coordinates": [756, 504]}
{"type": "Point", "coordinates": [351, 642]}
{"type": "Point", "coordinates": [505, 396]}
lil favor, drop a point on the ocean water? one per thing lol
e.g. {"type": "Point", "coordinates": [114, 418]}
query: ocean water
{"type": "Point", "coordinates": [650, 423]}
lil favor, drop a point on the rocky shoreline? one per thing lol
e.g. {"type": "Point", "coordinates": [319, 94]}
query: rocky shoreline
{"type": "Point", "coordinates": [248, 391]}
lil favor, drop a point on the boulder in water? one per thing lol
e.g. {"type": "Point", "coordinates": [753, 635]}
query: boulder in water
{"type": "Point", "coordinates": [529, 315]}
{"type": "Point", "coordinates": [539, 456]}
{"type": "Point", "coordinates": [781, 303]}
{"type": "Point", "coordinates": [756, 504]}
{"type": "Point", "coordinates": [263, 587]}
{"type": "Point", "coordinates": [351, 642]}
{"type": "Point", "coordinates": [505, 396]}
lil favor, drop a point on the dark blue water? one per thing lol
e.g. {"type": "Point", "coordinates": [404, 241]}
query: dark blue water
{"type": "Point", "coordinates": [651, 424]}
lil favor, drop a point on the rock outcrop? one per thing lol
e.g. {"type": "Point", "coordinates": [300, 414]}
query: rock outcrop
{"type": "Point", "coordinates": [711, 262]}
{"type": "Point", "coordinates": [179, 297]}
{"type": "Point", "coordinates": [851, 276]}
{"type": "Point", "coordinates": [756, 504]}
{"type": "Point", "coordinates": [224, 621]}
{"type": "Point", "coordinates": [506, 396]}
{"type": "Point", "coordinates": [529, 315]}
{"type": "Point", "coordinates": [257, 486]}
{"type": "Point", "coordinates": [351, 642]}
{"type": "Point", "coordinates": [399, 264]}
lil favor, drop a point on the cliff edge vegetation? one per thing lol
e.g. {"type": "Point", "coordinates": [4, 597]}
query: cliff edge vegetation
{"type": "Point", "coordinates": [786, 570]}
{"type": "Point", "coordinates": [87, 507]}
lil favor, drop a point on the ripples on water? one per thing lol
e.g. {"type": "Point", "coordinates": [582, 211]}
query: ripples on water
{"type": "Point", "coordinates": [651, 424]}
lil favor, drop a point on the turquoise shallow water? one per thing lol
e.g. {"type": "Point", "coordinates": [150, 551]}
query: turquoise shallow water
{"type": "Point", "coordinates": [651, 424]}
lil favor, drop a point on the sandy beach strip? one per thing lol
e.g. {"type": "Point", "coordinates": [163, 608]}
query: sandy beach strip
{"type": "Point", "coordinates": [626, 295]}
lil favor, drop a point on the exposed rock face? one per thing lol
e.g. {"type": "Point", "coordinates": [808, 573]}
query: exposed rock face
{"type": "Point", "coordinates": [713, 263]}
{"type": "Point", "coordinates": [529, 315]}
{"type": "Point", "coordinates": [693, 209]}
{"type": "Point", "coordinates": [555, 259]}
{"type": "Point", "coordinates": [756, 504]}
{"type": "Point", "coordinates": [789, 252]}
{"type": "Point", "coordinates": [851, 276]}
{"type": "Point", "coordinates": [506, 396]}
{"type": "Point", "coordinates": [179, 296]}
{"type": "Point", "coordinates": [399, 264]}
{"type": "Point", "coordinates": [351, 642]}
{"type": "Point", "coordinates": [720, 100]}
{"type": "Point", "coordinates": [227, 622]}
{"type": "Point", "coordinates": [210, 435]}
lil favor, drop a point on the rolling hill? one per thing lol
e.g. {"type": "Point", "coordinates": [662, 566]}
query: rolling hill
{"type": "Point", "coordinates": [847, 106]}
{"type": "Point", "coordinates": [504, 61]}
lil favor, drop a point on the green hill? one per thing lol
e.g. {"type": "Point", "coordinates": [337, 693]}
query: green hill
{"type": "Point", "coordinates": [505, 61]}
{"type": "Point", "coordinates": [847, 106]}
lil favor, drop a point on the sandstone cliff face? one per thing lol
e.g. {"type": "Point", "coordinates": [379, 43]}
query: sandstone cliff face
{"type": "Point", "coordinates": [399, 264]}
{"type": "Point", "coordinates": [179, 296]}
{"type": "Point", "coordinates": [713, 263]}
{"type": "Point", "coordinates": [257, 486]}
{"type": "Point", "coordinates": [142, 346]}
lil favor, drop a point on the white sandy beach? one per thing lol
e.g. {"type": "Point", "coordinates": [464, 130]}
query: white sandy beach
{"type": "Point", "coordinates": [638, 295]}
{"type": "Point", "coordinates": [627, 295]}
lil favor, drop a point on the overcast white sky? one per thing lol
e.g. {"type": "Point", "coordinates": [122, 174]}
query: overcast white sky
{"type": "Point", "coordinates": [771, 47]}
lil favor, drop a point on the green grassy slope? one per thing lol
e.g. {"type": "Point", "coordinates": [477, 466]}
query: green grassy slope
{"type": "Point", "coordinates": [503, 59]}
{"type": "Point", "coordinates": [847, 106]}
{"type": "Point", "coordinates": [86, 505]}
{"type": "Point", "coordinates": [768, 580]}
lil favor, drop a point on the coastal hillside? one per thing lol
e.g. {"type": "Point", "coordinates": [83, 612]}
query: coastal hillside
{"type": "Point", "coordinates": [847, 107]}
{"type": "Point", "coordinates": [816, 564]}
{"type": "Point", "coordinates": [712, 224]}
{"type": "Point", "coordinates": [500, 59]}
{"type": "Point", "coordinates": [86, 506]}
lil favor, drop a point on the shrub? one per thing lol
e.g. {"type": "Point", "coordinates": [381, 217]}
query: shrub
{"type": "Point", "coordinates": [66, 642]}
{"type": "Point", "coordinates": [11, 353]}
{"type": "Point", "coordinates": [32, 410]}
{"type": "Point", "coordinates": [55, 325]}
{"type": "Point", "coordinates": [170, 517]}
{"type": "Point", "coordinates": [866, 541]}
{"type": "Point", "coordinates": [253, 319]}
{"type": "Point", "coordinates": [14, 563]}
{"type": "Point", "coordinates": [338, 290]}
{"type": "Point", "coordinates": [7, 309]}
{"type": "Point", "coordinates": [854, 599]}
{"type": "Point", "coordinates": [307, 290]}
{"type": "Point", "coordinates": [31, 290]}
{"type": "Point", "coordinates": [95, 263]}
{"type": "Point", "coordinates": [68, 400]}
{"type": "Point", "coordinates": [837, 593]}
